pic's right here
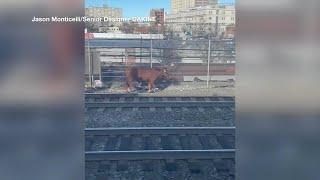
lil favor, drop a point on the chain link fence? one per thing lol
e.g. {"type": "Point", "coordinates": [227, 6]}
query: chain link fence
{"type": "Point", "coordinates": [186, 60]}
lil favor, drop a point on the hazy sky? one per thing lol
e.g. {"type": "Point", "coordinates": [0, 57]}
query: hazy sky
{"type": "Point", "coordinates": [137, 7]}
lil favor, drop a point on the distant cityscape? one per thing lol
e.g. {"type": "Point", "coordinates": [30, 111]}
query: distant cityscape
{"type": "Point", "coordinates": [186, 19]}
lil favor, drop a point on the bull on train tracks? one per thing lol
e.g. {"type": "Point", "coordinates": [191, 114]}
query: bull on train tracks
{"type": "Point", "coordinates": [146, 74]}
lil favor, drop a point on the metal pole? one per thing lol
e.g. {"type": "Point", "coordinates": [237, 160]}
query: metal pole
{"type": "Point", "coordinates": [209, 57]}
{"type": "Point", "coordinates": [126, 57]}
{"type": "Point", "coordinates": [122, 57]}
{"type": "Point", "coordinates": [141, 49]}
{"type": "Point", "coordinates": [89, 58]}
{"type": "Point", "coordinates": [100, 69]}
{"type": "Point", "coordinates": [151, 53]}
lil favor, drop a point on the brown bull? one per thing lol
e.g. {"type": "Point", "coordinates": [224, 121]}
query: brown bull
{"type": "Point", "coordinates": [150, 75]}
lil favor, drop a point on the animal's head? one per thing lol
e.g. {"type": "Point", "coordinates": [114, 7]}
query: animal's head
{"type": "Point", "coordinates": [164, 73]}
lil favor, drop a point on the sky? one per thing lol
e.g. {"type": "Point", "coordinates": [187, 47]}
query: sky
{"type": "Point", "coordinates": [133, 8]}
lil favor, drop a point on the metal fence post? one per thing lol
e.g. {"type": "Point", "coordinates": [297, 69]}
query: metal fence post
{"type": "Point", "coordinates": [100, 69]}
{"type": "Point", "coordinates": [141, 49]}
{"type": "Point", "coordinates": [151, 48]}
{"type": "Point", "coordinates": [208, 70]}
{"type": "Point", "coordinates": [89, 59]}
{"type": "Point", "coordinates": [126, 57]}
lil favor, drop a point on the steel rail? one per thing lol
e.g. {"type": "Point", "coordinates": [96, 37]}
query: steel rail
{"type": "Point", "coordinates": [171, 104]}
{"type": "Point", "coordinates": [142, 96]}
{"type": "Point", "coordinates": [158, 47]}
{"type": "Point", "coordinates": [219, 131]}
{"type": "Point", "coordinates": [160, 154]}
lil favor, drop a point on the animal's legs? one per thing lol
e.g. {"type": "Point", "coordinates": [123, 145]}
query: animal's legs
{"type": "Point", "coordinates": [129, 86]}
{"type": "Point", "coordinates": [150, 86]}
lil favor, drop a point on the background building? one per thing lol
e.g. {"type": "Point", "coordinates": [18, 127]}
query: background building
{"type": "Point", "coordinates": [158, 14]}
{"type": "Point", "coordinates": [202, 21]}
{"type": "Point", "coordinates": [157, 26]}
{"type": "Point", "coordinates": [104, 11]}
{"type": "Point", "coordinates": [182, 5]}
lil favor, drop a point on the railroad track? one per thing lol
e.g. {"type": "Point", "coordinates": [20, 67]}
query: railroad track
{"type": "Point", "coordinates": [142, 142]}
{"type": "Point", "coordinates": [181, 150]}
{"type": "Point", "coordinates": [131, 101]}
{"type": "Point", "coordinates": [203, 152]}
{"type": "Point", "coordinates": [203, 169]}
{"type": "Point", "coordinates": [159, 154]}
{"type": "Point", "coordinates": [96, 97]}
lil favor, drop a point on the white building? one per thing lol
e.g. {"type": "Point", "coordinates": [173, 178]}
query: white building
{"type": "Point", "coordinates": [213, 19]}
{"type": "Point", "coordinates": [103, 12]}
{"type": "Point", "coordinates": [182, 5]}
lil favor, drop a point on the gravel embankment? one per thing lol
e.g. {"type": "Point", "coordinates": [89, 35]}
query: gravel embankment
{"type": "Point", "coordinates": [183, 89]}
{"type": "Point", "coordinates": [160, 169]}
{"type": "Point", "coordinates": [176, 117]}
